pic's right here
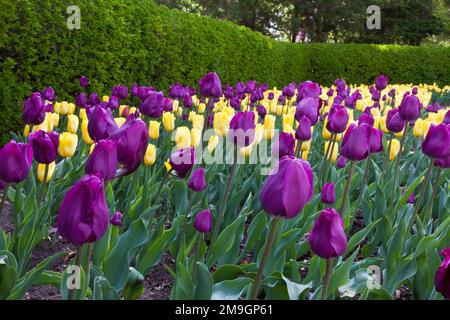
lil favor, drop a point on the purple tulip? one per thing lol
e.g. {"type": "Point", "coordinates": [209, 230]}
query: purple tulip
{"type": "Point", "coordinates": [153, 105]}
{"type": "Point", "coordinates": [113, 103]}
{"type": "Point", "coordinates": [310, 89]}
{"type": "Point", "coordinates": [132, 141]}
{"type": "Point", "coordinates": [84, 82]}
{"type": "Point", "coordinates": [33, 112]}
{"type": "Point", "coordinates": [251, 86]}
{"type": "Point", "coordinates": [122, 92]}
{"type": "Point", "coordinates": [409, 109]}
{"type": "Point", "coordinates": [330, 92]}
{"type": "Point", "coordinates": [337, 120]}
{"type": "Point", "coordinates": [177, 91]}
{"type": "Point", "coordinates": [242, 128]}
{"type": "Point", "coordinates": [229, 92]}
{"type": "Point", "coordinates": [48, 94]}
{"type": "Point", "coordinates": [83, 214]}
{"type": "Point", "coordinates": [262, 112]}
{"type": "Point", "coordinates": [182, 161]}
{"type": "Point", "coordinates": [289, 187]}
{"type": "Point", "coordinates": [2, 185]}
{"type": "Point", "coordinates": [328, 195]}
{"type": "Point", "coordinates": [116, 219]}
{"type": "Point", "coordinates": [197, 182]}
{"type": "Point", "coordinates": [289, 90]}
{"type": "Point", "coordinates": [134, 90]}
{"type": "Point", "coordinates": [381, 82]}
{"type": "Point", "coordinates": [394, 122]}
{"type": "Point", "coordinates": [101, 123]}
{"type": "Point", "coordinates": [447, 118]}
{"type": "Point", "coordinates": [327, 238]}
{"type": "Point", "coordinates": [203, 221]}
{"type": "Point", "coordinates": [415, 90]}
{"type": "Point", "coordinates": [355, 145]}
{"type": "Point", "coordinates": [81, 100]}
{"type": "Point", "coordinates": [376, 141]}
{"type": "Point", "coordinates": [211, 86]}
{"type": "Point", "coordinates": [366, 118]}
{"type": "Point", "coordinates": [283, 146]}
{"type": "Point", "coordinates": [168, 105]}
{"type": "Point", "coordinates": [442, 277]}
{"type": "Point", "coordinates": [235, 103]}
{"type": "Point", "coordinates": [308, 107]}
{"type": "Point", "coordinates": [437, 142]}
{"type": "Point", "coordinates": [271, 96]}
{"type": "Point", "coordinates": [142, 92]}
{"type": "Point", "coordinates": [103, 160]}
{"type": "Point", "coordinates": [45, 146]}
{"type": "Point", "coordinates": [16, 159]}
{"type": "Point", "coordinates": [434, 108]}
{"type": "Point", "coordinates": [443, 163]}
{"type": "Point", "coordinates": [94, 99]}
{"type": "Point", "coordinates": [303, 131]}
{"type": "Point", "coordinates": [341, 162]}
{"type": "Point", "coordinates": [411, 198]}
{"type": "Point", "coordinates": [282, 100]}
{"type": "Point", "coordinates": [240, 88]}
{"type": "Point", "coordinates": [187, 101]}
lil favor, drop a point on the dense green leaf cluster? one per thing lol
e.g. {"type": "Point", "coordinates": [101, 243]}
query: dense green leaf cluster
{"type": "Point", "coordinates": [124, 41]}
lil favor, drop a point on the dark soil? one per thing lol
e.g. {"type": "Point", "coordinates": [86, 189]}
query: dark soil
{"type": "Point", "coordinates": [159, 282]}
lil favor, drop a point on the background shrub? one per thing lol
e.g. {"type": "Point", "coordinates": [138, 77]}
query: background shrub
{"type": "Point", "coordinates": [123, 41]}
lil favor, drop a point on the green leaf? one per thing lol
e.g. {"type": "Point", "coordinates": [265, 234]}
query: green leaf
{"type": "Point", "coordinates": [116, 264]}
{"type": "Point", "coordinates": [8, 274]}
{"type": "Point", "coordinates": [295, 289]}
{"type": "Point", "coordinates": [204, 285]}
{"type": "Point", "coordinates": [103, 290]}
{"type": "Point", "coordinates": [340, 276]}
{"type": "Point", "coordinates": [230, 289]}
{"type": "Point", "coordinates": [135, 285]}
{"type": "Point", "coordinates": [358, 237]}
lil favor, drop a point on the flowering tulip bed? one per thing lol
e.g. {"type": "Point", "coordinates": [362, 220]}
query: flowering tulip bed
{"type": "Point", "coordinates": [308, 192]}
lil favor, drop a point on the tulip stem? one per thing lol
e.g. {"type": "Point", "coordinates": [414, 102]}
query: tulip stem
{"type": "Point", "coordinates": [326, 278]}
{"type": "Point", "coordinates": [325, 159]}
{"type": "Point", "coordinates": [2, 203]}
{"type": "Point", "coordinates": [397, 160]}
{"type": "Point", "coordinates": [347, 188]}
{"type": "Point", "coordinates": [429, 210]}
{"type": "Point", "coordinates": [386, 159]}
{"type": "Point", "coordinates": [161, 185]}
{"type": "Point", "coordinates": [422, 194]}
{"type": "Point", "coordinates": [42, 189]}
{"type": "Point", "coordinates": [298, 147]}
{"type": "Point", "coordinates": [364, 180]}
{"type": "Point", "coordinates": [329, 158]}
{"type": "Point", "coordinates": [265, 257]}
{"type": "Point", "coordinates": [223, 204]}
{"type": "Point", "coordinates": [78, 264]}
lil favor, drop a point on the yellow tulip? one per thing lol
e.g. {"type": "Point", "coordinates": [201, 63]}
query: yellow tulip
{"type": "Point", "coordinates": [383, 125]}
{"type": "Point", "coordinates": [398, 134]}
{"type": "Point", "coordinates": [183, 137]}
{"type": "Point", "coordinates": [122, 108]}
{"type": "Point", "coordinates": [85, 133]}
{"type": "Point", "coordinates": [306, 145]}
{"type": "Point", "coordinates": [395, 149]}
{"type": "Point", "coordinates": [212, 143]}
{"type": "Point", "coordinates": [305, 155]}
{"type": "Point", "coordinates": [359, 105]}
{"type": "Point", "coordinates": [55, 118]}
{"type": "Point", "coordinates": [198, 122]}
{"type": "Point", "coordinates": [419, 128]}
{"type": "Point", "coordinates": [72, 123]}
{"type": "Point", "coordinates": [83, 115]}
{"type": "Point", "coordinates": [153, 129]}
{"type": "Point", "coordinates": [201, 108]}
{"type": "Point", "coordinates": [334, 147]}
{"type": "Point", "coordinates": [67, 144]}
{"type": "Point", "coordinates": [120, 121]}
{"type": "Point", "coordinates": [269, 127]}
{"type": "Point", "coordinates": [288, 121]}
{"type": "Point", "coordinates": [57, 107]}
{"type": "Point", "coordinates": [167, 165]}
{"type": "Point", "coordinates": [221, 123]}
{"type": "Point", "coordinates": [46, 125]}
{"type": "Point", "coordinates": [325, 133]}
{"type": "Point", "coordinates": [41, 171]}
{"type": "Point", "coordinates": [179, 111]}
{"type": "Point", "coordinates": [259, 132]}
{"type": "Point", "coordinates": [246, 152]}
{"type": "Point", "coordinates": [196, 137]}
{"type": "Point", "coordinates": [175, 104]}
{"type": "Point", "coordinates": [105, 98]}
{"type": "Point", "coordinates": [168, 120]}
{"type": "Point", "coordinates": [427, 126]}
{"type": "Point", "coordinates": [150, 155]}
{"type": "Point", "coordinates": [375, 112]}
{"type": "Point", "coordinates": [26, 131]}
{"type": "Point", "coordinates": [133, 110]}
{"type": "Point", "coordinates": [64, 108]}
{"type": "Point", "coordinates": [91, 149]}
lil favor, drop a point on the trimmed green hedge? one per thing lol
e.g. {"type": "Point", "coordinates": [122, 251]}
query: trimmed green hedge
{"type": "Point", "coordinates": [122, 41]}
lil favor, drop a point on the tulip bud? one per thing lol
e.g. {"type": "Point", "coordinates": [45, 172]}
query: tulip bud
{"type": "Point", "coordinates": [116, 219]}
{"type": "Point", "coordinates": [41, 171]}
{"type": "Point", "coordinates": [101, 124]}
{"type": "Point", "coordinates": [72, 123]}
{"type": "Point", "coordinates": [341, 161]}
{"type": "Point", "coordinates": [419, 128]}
{"type": "Point", "coordinates": [84, 82]}
{"type": "Point", "coordinates": [150, 155]}
{"type": "Point", "coordinates": [45, 146]}
{"type": "Point", "coordinates": [33, 111]}
{"type": "Point", "coordinates": [103, 160]}
{"type": "Point", "coordinates": [87, 223]}
{"type": "Point", "coordinates": [132, 141]}
{"type": "Point", "coordinates": [303, 132]}
{"type": "Point", "coordinates": [183, 137]}
{"type": "Point", "coordinates": [153, 105]}
{"type": "Point", "coordinates": [376, 141]}
{"type": "Point", "coordinates": [356, 142]}
{"type": "Point", "coordinates": [308, 107]}
{"type": "Point", "coordinates": [328, 195]}
{"type": "Point", "coordinates": [269, 127]}
{"type": "Point", "coordinates": [437, 141]}
{"type": "Point", "coordinates": [211, 86]}
{"type": "Point", "coordinates": [153, 129]}
{"type": "Point", "coordinates": [447, 118]}
{"type": "Point", "coordinates": [327, 238]}
{"type": "Point", "coordinates": [85, 132]}
{"type": "Point", "coordinates": [381, 82]}
{"type": "Point", "coordinates": [242, 127]}
{"type": "Point", "coordinates": [442, 277]}
{"type": "Point", "coordinates": [196, 137]}
{"type": "Point", "coordinates": [168, 120]}
{"type": "Point", "coordinates": [394, 123]}
{"type": "Point", "coordinates": [67, 144]}
{"type": "Point", "coordinates": [409, 108]}
{"type": "Point", "coordinates": [283, 146]}
{"type": "Point", "coordinates": [203, 221]}
{"type": "Point", "coordinates": [395, 149]}
{"type": "Point", "coordinates": [182, 161]}
{"type": "Point", "coordinates": [288, 188]}
{"type": "Point", "coordinates": [337, 120]}
{"type": "Point", "coordinates": [212, 143]}
{"type": "Point", "coordinates": [16, 160]}
{"type": "Point", "coordinates": [197, 181]}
